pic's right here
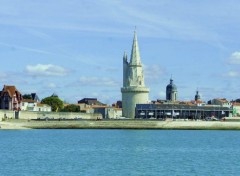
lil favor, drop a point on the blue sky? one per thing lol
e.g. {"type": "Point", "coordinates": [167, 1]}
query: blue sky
{"type": "Point", "coordinates": [74, 48]}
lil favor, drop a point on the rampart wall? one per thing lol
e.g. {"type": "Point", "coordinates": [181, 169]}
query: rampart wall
{"type": "Point", "coordinates": [7, 114]}
{"type": "Point", "coordinates": [47, 115]}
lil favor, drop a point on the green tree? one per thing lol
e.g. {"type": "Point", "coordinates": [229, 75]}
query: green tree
{"type": "Point", "coordinates": [55, 102]}
{"type": "Point", "coordinates": [71, 108]}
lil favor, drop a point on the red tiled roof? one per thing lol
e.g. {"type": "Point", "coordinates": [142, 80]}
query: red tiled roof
{"type": "Point", "coordinates": [28, 100]}
{"type": "Point", "coordinates": [223, 100]}
{"type": "Point", "coordinates": [236, 104]}
{"type": "Point", "coordinates": [40, 104]}
{"type": "Point", "coordinates": [11, 90]}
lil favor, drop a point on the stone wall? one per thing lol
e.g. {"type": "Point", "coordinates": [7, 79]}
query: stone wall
{"type": "Point", "coordinates": [7, 114]}
{"type": "Point", "coordinates": [43, 115]}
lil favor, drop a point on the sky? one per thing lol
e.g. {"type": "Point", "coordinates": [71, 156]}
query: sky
{"type": "Point", "coordinates": [74, 48]}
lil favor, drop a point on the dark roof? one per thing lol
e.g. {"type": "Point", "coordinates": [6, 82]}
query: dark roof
{"type": "Point", "coordinates": [35, 97]}
{"type": "Point", "coordinates": [171, 86]}
{"type": "Point", "coordinates": [90, 101]}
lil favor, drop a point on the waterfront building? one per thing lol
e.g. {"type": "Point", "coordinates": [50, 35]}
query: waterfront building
{"type": "Point", "coordinates": [109, 112]}
{"type": "Point", "coordinates": [236, 109]}
{"type": "Point", "coordinates": [223, 102]}
{"type": "Point", "coordinates": [171, 91]}
{"type": "Point", "coordinates": [133, 90]}
{"type": "Point", "coordinates": [181, 111]}
{"type": "Point", "coordinates": [34, 105]}
{"type": "Point", "coordinates": [87, 105]}
{"type": "Point", "coordinates": [10, 98]}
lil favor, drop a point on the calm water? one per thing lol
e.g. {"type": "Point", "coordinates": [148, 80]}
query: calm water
{"type": "Point", "coordinates": [119, 152]}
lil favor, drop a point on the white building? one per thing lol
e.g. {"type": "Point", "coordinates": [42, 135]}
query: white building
{"type": "Point", "coordinates": [133, 90]}
{"type": "Point", "coordinates": [109, 112]}
{"type": "Point", "coordinates": [221, 102]}
{"type": "Point", "coordinates": [31, 105]}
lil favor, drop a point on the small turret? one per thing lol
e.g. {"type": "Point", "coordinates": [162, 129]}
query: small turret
{"type": "Point", "coordinates": [197, 96]}
{"type": "Point", "coordinates": [171, 91]}
{"type": "Point", "coordinates": [125, 69]}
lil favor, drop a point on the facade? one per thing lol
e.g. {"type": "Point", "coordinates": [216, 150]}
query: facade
{"type": "Point", "coordinates": [180, 111]}
{"type": "Point", "coordinates": [133, 90]}
{"type": "Point", "coordinates": [109, 112]}
{"type": "Point", "coordinates": [28, 105]}
{"type": "Point", "coordinates": [31, 105]}
{"type": "Point", "coordinates": [171, 91]}
{"type": "Point", "coordinates": [44, 107]}
{"type": "Point", "coordinates": [236, 109]}
{"type": "Point", "coordinates": [10, 98]}
{"type": "Point", "coordinates": [220, 102]}
{"type": "Point", "coordinates": [88, 107]}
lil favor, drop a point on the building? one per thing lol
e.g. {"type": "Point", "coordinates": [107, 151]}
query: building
{"type": "Point", "coordinates": [118, 104]}
{"type": "Point", "coordinates": [223, 102]}
{"type": "Point", "coordinates": [32, 105]}
{"type": "Point", "coordinates": [109, 112]}
{"type": "Point", "coordinates": [91, 101]}
{"type": "Point", "coordinates": [10, 98]}
{"type": "Point", "coordinates": [180, 111]}
{"type": "Point", "coordinates": [171, 91]}
{"type": "Point", "coordinates": [236, 109]}
{"type": "Point", "coordinates": [43, 107]}
{"type": "Point", "coordinates": [133, 90]}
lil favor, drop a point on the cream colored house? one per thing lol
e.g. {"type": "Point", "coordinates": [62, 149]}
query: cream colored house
{"type": "Point", "coordinates": [31, 105]}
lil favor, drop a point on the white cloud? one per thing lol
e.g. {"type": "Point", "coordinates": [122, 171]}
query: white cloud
{"type": "Point", "coordinates": [233, 74]}
{"type": "Point", "coordinates": [235, 58]}
{"type": "Point", "coordinates": [51, 85]}
{"type": "Point", "coordinates": [96, 81]}
{"type": "Point", "coordinates": [153, 72]}
{"type": "Point", "coordinates": [3, 75]}
{"type": "Point", "coordinates": [45, 70]}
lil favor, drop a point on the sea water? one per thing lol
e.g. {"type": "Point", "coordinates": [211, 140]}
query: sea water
{"type": "Point", "coordinates": [119, 152]}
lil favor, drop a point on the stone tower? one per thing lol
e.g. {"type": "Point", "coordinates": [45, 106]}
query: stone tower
{"type": "Point", "coordinates": [133, 90]}
{"type": "Point", "coordinates": [171, 91]}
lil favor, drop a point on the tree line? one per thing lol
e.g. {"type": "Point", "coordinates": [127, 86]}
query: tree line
{"type": "Point", "coordinates": [56, 103]}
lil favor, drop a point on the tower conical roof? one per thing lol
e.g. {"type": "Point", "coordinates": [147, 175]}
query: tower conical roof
{"type": "Point", "coordinates": [135, 55]}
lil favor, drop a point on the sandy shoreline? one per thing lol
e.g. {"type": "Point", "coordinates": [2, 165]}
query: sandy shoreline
{"type": "Point", "coordinates": [120, 124]}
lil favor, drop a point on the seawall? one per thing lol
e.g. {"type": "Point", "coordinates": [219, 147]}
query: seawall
{"type": "Point", "coordinates": [120, 124]}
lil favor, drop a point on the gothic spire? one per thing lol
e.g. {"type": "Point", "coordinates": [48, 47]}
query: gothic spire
{"type": "Point", "coordinates": [135, 55]}
{"type": "Point", "coordinates": [125, 56]}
